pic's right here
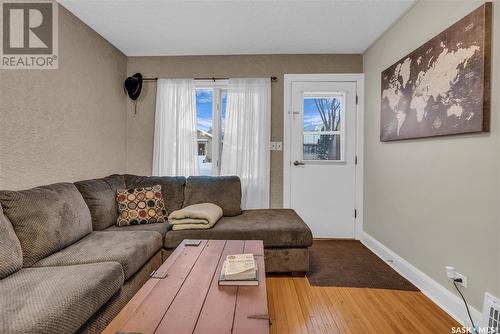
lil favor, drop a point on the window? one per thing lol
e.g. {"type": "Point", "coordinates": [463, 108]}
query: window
{"type": "Point", "coordinates": [323, 128]}
{"type": "Point", "coordinates": [210, 115]}
{"type": "Point", "coordinates": [204, 129]}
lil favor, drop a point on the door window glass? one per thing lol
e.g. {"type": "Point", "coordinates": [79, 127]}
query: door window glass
{"type": "Point", "coordinates": [323, 134]}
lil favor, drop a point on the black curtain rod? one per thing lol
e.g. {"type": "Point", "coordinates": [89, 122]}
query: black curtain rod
{"type": "Point", "coordinates": [273, 79]}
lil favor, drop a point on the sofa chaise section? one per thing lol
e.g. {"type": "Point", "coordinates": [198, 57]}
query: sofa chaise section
{"type": "Point", "coordinates": [286, 237]}
{"type": "Point", "coordinates": [276, 227]}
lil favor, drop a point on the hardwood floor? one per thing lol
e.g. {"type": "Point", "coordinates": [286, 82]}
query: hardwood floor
{"type": "Point", "coordinates": [297, 307]}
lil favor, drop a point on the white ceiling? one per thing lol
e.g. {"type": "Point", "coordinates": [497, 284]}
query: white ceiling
{"type": "Point", "coordinates": [154, 28]}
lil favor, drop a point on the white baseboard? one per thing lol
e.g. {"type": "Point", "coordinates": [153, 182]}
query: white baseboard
{"type": "Point", "coordinates": [444, 298]}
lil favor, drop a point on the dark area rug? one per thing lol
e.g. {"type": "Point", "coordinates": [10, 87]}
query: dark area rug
{"type": "Point", "coordinates": [348, 263]}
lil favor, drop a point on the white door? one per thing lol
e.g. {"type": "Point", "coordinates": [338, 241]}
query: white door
{"type": "Point", "coordinates": [322, 133]}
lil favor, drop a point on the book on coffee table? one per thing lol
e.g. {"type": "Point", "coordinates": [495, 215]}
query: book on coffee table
{"type": "Point", "coordinates": [239, 269]}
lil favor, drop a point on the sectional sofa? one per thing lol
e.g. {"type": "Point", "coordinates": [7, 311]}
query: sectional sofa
{"type": "Point", "coordinates": [65, 266]}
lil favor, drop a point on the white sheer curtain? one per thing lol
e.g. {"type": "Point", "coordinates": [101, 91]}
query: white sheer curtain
{"type": "Point", "coordinates": [175, 135]}
{"type": "Point", "coordinates": [247, 135]}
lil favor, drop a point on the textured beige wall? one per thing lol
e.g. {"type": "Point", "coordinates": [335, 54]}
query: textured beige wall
{"type": "Point", "coordinates": [140, 126]}
{"type": "Point", "coordinates": [435, 201]}
{"type": "Point", "coordinates": [66, 124]}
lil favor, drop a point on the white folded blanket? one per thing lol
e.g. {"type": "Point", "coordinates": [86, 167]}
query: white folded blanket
{"type": "Point", "coordinates": [196, 216]}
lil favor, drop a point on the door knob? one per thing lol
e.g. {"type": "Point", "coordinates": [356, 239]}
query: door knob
{"type": "Point", "coordinates": [298, 163]}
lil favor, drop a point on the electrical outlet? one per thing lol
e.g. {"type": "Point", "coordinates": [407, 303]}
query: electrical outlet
{"type": "Point", "coordinates": [464, 279]}
{"type": "Point", "coordinates": [452, 275]}
{"type": "Point", "coordinates": [276, 146]}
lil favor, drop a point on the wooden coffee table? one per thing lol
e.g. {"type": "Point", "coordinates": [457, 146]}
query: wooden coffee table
{"type": "Point", "coordinates": [183, 295]}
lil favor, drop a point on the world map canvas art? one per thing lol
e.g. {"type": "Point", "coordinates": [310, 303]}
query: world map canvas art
{"type": "Point", "coordinates": [443, 87]}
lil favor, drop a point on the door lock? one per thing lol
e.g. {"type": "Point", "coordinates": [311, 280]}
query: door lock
{"type": "Point", "coordinates": [298, 163]}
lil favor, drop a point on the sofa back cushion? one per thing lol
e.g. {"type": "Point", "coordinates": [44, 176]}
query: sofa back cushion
{"type": "Point", "coordinates": [11, 255]}
{"type": "Point", "coordinates": [172, 188]}
{"type": "Point", "coordinates": [46, 219]}
{"type": "Point", "coordinates": [100, 196]}
{"type": "Point", "coordinates": [225, 191]}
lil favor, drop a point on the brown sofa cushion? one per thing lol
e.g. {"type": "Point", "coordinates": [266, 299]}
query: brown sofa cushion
{"type": "Point", "coordinates": [131, 249]}
{"type": "Point", "coordinates": [172, 188]}
{"type": "Point", "coordinates": [100, 196]}
{"type": "Point", "coordinates": [100, 320]}
{"type": "Point", "coordinates": [276, 227]}
{"type": "Point", "coordinates": [11, 255]}
{"type": "Point", "coordinates": [46, 219]}
{"type": "Point", "coordinates": [56, 299]}
{"type": "Point", "coordinates": [225, 191]}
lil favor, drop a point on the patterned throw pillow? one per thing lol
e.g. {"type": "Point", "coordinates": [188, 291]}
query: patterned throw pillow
{"type": "Point", "coordinates": [140, 206]}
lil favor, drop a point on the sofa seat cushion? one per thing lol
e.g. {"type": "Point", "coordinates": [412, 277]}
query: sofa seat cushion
{"type": "Point", "coordinates": [46, 219]}
{"type": "Point", "coordinates": [276, 227]}
{"type": "Point", "coordinates": [100, 196]}
{"type": "Point", "coordinates": [131, 249]}
{"type": "Point", "coordinates": [56, 299]}
{"type": "Point", "coordinates": [161, 228]}
{"type": "Point", "coordinates": [172, 188]}
{"type": "Point", "coordinates": [11, 255]}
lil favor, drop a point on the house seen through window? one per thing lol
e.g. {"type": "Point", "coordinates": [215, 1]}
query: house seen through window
{"type": "Point", "coordinates": [210, 114]}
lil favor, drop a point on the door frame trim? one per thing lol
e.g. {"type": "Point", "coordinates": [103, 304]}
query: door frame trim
{"type": "Point", "coordinates": [358, 78]}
